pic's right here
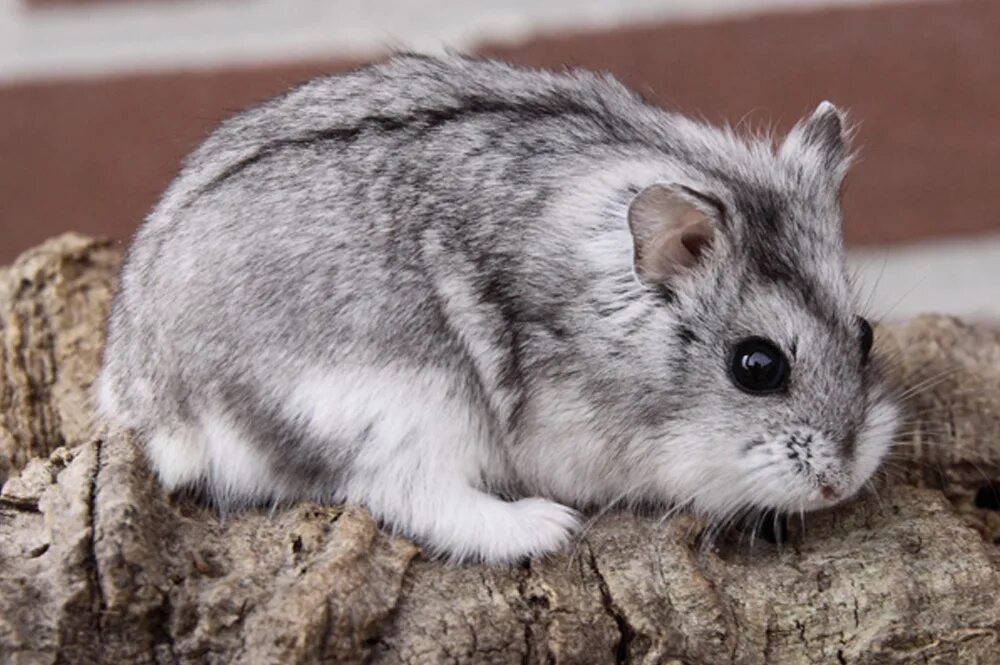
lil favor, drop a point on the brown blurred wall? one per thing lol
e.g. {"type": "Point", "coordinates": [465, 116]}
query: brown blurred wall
{"type": "Point", "coordinates": [922, 79]}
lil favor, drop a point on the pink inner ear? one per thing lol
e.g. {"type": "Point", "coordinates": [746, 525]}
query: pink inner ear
{"type": "Point", "coordinates": [672, 232]}
{"type": "Point", "coordinates": [696, 238]}
{"type": "Point", "coordinates": [695, 243]}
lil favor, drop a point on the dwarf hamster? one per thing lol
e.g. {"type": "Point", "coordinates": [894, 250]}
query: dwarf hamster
{"type": "Point", "coordinates": [475, 298]}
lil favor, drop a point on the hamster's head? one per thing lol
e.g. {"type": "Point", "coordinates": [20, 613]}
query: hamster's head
{"type": "Point", "coordinates": [785, 405]}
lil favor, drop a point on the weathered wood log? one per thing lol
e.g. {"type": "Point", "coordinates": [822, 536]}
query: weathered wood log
{"type": "Point", "coordinates": [99, 565]}
{"type": "Point", "coordinates": [53, 302]}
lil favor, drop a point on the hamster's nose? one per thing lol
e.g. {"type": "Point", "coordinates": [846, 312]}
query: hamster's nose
{"type": "Point", "coordinates": [829, 492]}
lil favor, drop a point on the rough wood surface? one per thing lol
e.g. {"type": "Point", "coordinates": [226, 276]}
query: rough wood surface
{"type": "Point", "coordinates": [98, 565]}
{"type": "Point", "coordinates": [53, 302]}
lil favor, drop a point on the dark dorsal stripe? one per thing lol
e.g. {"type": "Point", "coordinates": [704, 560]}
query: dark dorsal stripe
{"type": "Point", "coordinates": [426, 120]}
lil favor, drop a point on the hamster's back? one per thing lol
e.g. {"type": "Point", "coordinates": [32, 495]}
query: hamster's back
{"type": "Point", "coordinates": [309, 228]}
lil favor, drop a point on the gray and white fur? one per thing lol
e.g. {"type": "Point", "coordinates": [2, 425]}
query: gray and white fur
{"type": "Point", "coordinates": [469, 296]}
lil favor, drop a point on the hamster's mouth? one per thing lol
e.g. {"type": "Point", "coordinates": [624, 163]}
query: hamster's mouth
{"type": "Point", "coordinates": [791, 493]}
{"type": "Point", "coordinates": [827, 496]}
{"type": "Point", "coordinates": [833, 489]}
{"type": "Point", "coordinates": [774, 523]}
{"type": "Point", "coordinates": [821, 490]}
{"type": "Point", "coordinates": [830, 492]}
{"type": "Point", "coordinates": [809, 491]}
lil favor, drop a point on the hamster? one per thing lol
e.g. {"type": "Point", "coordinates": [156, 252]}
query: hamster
{"type": "Point", "coordinates": [475, 299]}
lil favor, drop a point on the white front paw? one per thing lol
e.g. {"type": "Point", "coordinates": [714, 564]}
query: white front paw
{"type": "Point", "coordinates": [511, 532]}
{"type": "Point", "coordinates": [546, 525]}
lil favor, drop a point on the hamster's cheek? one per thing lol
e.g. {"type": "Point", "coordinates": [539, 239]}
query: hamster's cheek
{"type": "Point", "coordinates": [875, 439]}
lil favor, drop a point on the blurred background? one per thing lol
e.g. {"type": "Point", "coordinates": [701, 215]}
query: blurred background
{"type": "Point", "coordinates": [100, 100]}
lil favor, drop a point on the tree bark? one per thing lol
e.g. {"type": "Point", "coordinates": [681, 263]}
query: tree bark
{"type": "Point", "coordinates": [99, 565]}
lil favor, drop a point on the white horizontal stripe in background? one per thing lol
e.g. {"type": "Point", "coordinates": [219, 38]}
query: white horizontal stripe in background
{"type": "Point", "coordinates": [958, 277]}
{"type": "Point", "coordinates": [119, 37]}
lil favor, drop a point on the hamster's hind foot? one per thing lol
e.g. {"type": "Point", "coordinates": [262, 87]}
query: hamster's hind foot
{"type": "Point", "coordinates": [470, 525]}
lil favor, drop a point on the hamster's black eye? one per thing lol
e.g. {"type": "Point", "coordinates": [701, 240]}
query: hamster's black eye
{"type": "Point", "coordinates": [866, 338]}
{"type": "Point", "coordinates": [758, 366]}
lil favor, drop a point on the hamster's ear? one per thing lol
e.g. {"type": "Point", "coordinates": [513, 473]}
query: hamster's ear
{"type": "Point", "coordinates": [673, 227]}
{"type": "Point", "coordinates": [825, 135]}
